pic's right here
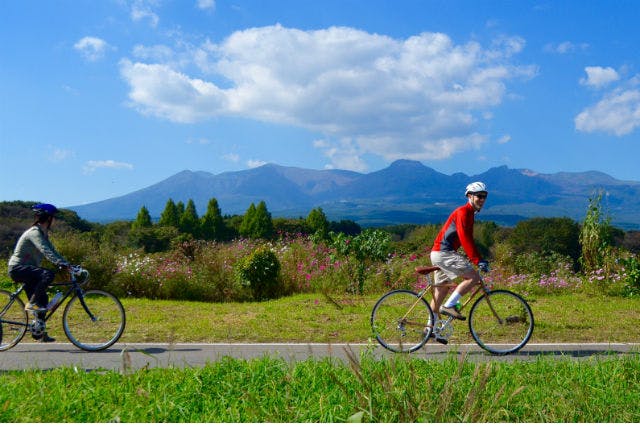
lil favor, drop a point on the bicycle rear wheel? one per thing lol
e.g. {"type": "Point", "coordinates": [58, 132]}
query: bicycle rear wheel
{"type": "Point", "coordinates": [96, 327]}
{"type": "Point", "coordinates": [400, 321]}
{"type": "Point", "coordinates": [12, 333]}
{"type": "Point", "coordinates": [501, 322]}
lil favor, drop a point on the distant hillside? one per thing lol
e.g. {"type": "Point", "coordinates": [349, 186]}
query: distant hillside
{"type": "Point", "coordinates": [405, 192]}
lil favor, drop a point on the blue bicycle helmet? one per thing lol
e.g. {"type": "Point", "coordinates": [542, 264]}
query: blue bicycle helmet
{"type": "Point", "coordinates": [44, 209]}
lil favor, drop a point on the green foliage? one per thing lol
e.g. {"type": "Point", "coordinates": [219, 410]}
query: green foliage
{"type": "Point", "coordinates": [212, 226]}
{"type": "Point", "coordinates": [153, 239]}
{"type": "Point", "coordinates": [632, 269]}
{"type": "Point", "coordinates": [257, 222]}
{"type": "Point", "coordinates": [367, 389]}
{"type": "Point", "coordinates": [260, 271]}
{"type": "Point", "coordinates": [595, 236]}
{"type": "Point", "coordinates": [545, 236]}
{"type": "Point", "coordinates": [143, 220]}
{"type": "Point", "coordinates": [362, 250]}
{"type": "Point", "coordinates": [318, 223]}
{"type": "Point", "coordinates": [189, 221]}
{"type": "Point", "coordinates": [170, 216]}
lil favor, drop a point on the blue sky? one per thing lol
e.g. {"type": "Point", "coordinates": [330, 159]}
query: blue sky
{"type": "Point", "coordinates": [104, 97]}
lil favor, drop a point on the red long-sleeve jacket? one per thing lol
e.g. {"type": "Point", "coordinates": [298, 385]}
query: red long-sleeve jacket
{"type": "Point", "coordinates": [458, 231]}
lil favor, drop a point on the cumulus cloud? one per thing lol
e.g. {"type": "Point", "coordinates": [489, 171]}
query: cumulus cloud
{"type": "Point", "coordinates": [92, 48]}
{"type": "Point", "coordinates": [424, 97]}
{"type": "Point", "coordinates": [93, 165]}
{"type": "Point", "coordinates": [617, 113]}
{"type": "Point", "coordinates": [599, 77]}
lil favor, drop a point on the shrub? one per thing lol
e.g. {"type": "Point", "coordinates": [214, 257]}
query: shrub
{"type": "Point", "coordinates": [260, 271]}
{"type": "Point", "coordinates": [632, 270]}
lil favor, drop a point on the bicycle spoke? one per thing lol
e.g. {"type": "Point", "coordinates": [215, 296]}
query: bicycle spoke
{"type": "Point", "coordinates": [400, 321]}
{"type": "Point", "coordinates": [98, 331]}
{"type": "Point", "coordinates": [12, 333]}
{"type": "Point", "coordinates": [501, 322]}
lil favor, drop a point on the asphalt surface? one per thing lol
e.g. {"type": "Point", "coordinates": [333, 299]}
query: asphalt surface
{"type": "Point", "coordinates": [133, 356]}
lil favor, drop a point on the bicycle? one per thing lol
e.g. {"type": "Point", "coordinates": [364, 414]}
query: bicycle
{"type": "Point", "coordinates": [500, 321]}
{"type": "Point", "coordinates": [92, 320]}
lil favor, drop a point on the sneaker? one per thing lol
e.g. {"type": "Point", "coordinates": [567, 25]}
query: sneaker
{"type": "Point", "coordinates": [43, 338]}
{"type": "Point", "coordinates": [439, 339]}
{"type": "Point", "coordinates": [434, 336]}
{"type": "Point", "coordinates": [453, 312]}
{"type": "Point", "coordinates": [35, 307]}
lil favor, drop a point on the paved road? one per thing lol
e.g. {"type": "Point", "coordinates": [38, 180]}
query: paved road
{"type": "Point", "coordinates": [152, 355]}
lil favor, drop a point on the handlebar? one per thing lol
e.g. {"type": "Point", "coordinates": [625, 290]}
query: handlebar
{"type": "Point", "coordinates": [79, 274]}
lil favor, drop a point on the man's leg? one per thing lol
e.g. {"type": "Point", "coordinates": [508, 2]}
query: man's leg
{"type": "Point", "coordinates": [471, 278]}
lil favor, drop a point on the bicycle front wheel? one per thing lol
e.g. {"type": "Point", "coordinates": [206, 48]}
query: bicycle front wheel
{"type": "Point", "coordinates": [401, 321]}
{"type": "Point", "coordinates": [14, 313]}
{"type": "Point", "coordinates": [95, 321]}
{"type": "Point", "coordinates": [501, 322]}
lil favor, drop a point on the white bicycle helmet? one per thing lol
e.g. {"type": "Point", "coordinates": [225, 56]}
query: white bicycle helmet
{"type": "Point", "coordinates": [476, 187]}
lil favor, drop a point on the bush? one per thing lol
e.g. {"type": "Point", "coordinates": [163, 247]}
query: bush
{"type": "Point", "coordinates": [632, 270]}
{"type": "Point", "coordinates": [260, 271]}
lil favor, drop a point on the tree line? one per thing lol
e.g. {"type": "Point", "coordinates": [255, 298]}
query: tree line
{"type": "Point", "coordinates": [180, 222]}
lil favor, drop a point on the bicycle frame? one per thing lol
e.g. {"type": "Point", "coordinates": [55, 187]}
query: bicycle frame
{"type": "Point", "coordinates": [478, 287]}
{"type": "Point", "coordinates": [73, 286]}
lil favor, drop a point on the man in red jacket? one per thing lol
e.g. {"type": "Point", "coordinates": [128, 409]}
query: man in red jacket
{"type": "Point", "coordinates": [456, 232]}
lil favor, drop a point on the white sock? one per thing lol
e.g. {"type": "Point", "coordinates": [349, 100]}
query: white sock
{"type": "Point", "coordinates": [453, 300]}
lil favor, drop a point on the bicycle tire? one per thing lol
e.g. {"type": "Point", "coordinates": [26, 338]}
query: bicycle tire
{"type": "Point", "coordinates": [510, 331]}
{"type": "Point", "coordinates": [12, 333]}
{"type": "Point", "coordinates": [399, 322]}
{"type": "Point", "coordinates": [98, 333]}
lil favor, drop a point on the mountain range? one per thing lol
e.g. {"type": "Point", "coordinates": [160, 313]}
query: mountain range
{"type": "Point", "coordinates": [404, 192]}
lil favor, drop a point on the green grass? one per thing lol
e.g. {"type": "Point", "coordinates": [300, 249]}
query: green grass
{"type": "Point", "coordinates": [393, 390]}
{"type": "Point", "coordinates": [316, 318]}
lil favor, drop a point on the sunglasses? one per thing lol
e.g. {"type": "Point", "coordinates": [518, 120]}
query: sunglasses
{"type": "Point", "coordinates": [481, 196]}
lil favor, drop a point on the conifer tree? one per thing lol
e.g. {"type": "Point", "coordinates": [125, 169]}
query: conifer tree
{"type": "Point", "coordinates": [247, 220]}
{"type": "Point", "coordinates": [169, 216]}
{"type": "Point", "coordinates": [143, 219]}
{"type": "Point", "coordinates": [212, 227]}
{"type": "Point", "coordinates": [189, 221]}
{"type": "Point", "coordinates": [262, 224]}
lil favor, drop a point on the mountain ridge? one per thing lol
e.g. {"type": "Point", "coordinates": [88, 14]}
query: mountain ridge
{"type": "Point", "coordinates": [404, 191]}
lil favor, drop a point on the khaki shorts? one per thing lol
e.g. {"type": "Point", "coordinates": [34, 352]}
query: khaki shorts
{"type": "Point", "coordinates": [452, 265]}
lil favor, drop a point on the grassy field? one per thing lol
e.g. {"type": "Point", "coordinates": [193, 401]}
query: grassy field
{"type": "Point", "coordinates": [398, 389]}
{"type": "Point", "coordinates": [272, 390]}
{"type": "Point", "coordinates": [318, 318]}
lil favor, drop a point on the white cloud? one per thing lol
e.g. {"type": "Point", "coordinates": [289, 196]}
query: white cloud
{"type": "Point", "coordinates": [504, 139]}
{"type": "Point", "coordinates": [93, 165]}
{"type": "Point", "coordinates": [143, 10]}
{"type": "Point", "coordinates": [255, 163]}
{"type": "Point", "coordinates": [617, 113]}
{"type": "Point", "coordinates": [423, 97]}
{"type": "Point", "coordinates": [59, 154]}
{"type": "Point", "coordinates": [599, 77]}
{"type": "Point", "coordinates": [206, 4]}
{"type": "Point", "coordinates": [565, 47]}
{"type": "Point", "coordinates": [92, 48]}
{"type": "Point", "coordinates": [158, 52]}
{"type": "Point", "coordinates": [231, 157]}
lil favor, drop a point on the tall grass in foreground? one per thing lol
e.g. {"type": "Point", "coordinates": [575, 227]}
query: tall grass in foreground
{"type": "Point", "coordinates": [365, 389]}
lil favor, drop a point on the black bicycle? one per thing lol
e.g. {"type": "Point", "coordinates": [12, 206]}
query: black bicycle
{"type": "Point", "coordinates": [92, 320]}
